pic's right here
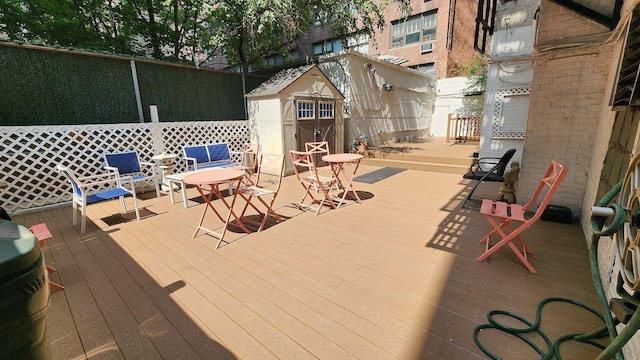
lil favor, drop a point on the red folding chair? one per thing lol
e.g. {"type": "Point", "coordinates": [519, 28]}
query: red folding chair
{"type": "Point", "coordinates": [306, 161]}
{"type": "Point", "coordinates": [507, 214]}
{"type": "Point", "coordinates": [42, 233]}
{"type": "Point", "coordinates": [270, 171]}
{"type": "Point", "coordinates": [249, 161]}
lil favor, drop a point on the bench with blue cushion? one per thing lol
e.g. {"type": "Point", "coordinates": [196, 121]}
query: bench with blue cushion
{"type": "Point", "coordinates": [207, 156]}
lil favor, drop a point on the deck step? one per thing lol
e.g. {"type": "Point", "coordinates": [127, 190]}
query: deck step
{"type": "Point", "coordinates": [421, 158]}
{"type": "Point", "coordinates": [441, 167]}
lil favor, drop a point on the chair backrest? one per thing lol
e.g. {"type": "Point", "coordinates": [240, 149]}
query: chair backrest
{"type": "Point", "coordinates": [72, 179]}
{"type": "Point", "coordinates": [198, 152]}
{"type": "Point", "coordinates": [250, 155]}
{"type": "Point", "coordinates": [219, 152]}
{"type": "Point", "coordinates": [504, 161]}
{"type": "Point", "coordinates": [272, 164]}
{"type": "Point", "coordinates": [126, 162]}
{"type": "Point", "coordinates": [317, 147]}
{"type": "Point", "coordinates": [551, 181]}
{"type": "Point", "coordinates": [302, 159]}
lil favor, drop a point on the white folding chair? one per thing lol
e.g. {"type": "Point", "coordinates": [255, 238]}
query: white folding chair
{"type": "Point", "coordinates": [128, 164]}
{"type": "Point", "coordinates": [83, 195]}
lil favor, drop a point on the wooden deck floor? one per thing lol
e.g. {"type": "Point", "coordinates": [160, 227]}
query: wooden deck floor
{"type": "Point", "coordinates": [393, 277]}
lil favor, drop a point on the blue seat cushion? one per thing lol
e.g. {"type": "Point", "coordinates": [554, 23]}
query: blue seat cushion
{"type": "Point", "coordinates": [126, 163]}
{"type": "Point", "coordinates": [106, 195]}
{"type": "Point", "coordinates": [198, 152]}
{"type": "Point", "coordinates": [219, 152]}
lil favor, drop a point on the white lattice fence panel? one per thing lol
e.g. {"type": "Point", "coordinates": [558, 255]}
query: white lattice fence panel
{"type": "Point", "coordinates": [29, 154]}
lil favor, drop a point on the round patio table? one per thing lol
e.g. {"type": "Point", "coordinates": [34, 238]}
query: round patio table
{"type": "Point", "coordinates": [213, 178]}
{"type": "Point", "coordinates": [337, 163]}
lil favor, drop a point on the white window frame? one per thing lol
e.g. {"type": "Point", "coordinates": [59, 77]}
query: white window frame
{"type": "Point", "coordinates": [327, 46]}
{"type": "Point", "coordinates": [307, 112]}
{"type": "Point", "coordinates": [498, 125]}
{"type": "Point", "coordinates": [326, 109]}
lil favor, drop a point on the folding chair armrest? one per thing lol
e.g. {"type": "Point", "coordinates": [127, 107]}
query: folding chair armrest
{"type": "Point", "coordinates": [112, 168]}
{"type": "Point", "coordinates": [474, 169]}
{"type": "Point", "coordinates": [491, 171]}
{"type": "Point", "coordinates": [96, 176]}
{"type": "Point", "coordinates": [150, 165]}
{"type": "Point", "coordinates": [482, 163]}
{"type": "Point", "coordinates": [191, 160]}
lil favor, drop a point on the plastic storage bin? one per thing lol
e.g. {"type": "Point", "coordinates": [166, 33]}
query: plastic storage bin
{"type": "Point", "coordinates": [24, 295]}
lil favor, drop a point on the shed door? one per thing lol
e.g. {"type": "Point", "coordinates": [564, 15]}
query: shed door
{"type": "Point", "coordinates": [316, 122]}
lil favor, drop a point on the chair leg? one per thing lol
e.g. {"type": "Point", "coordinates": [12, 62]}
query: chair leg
{"type": "Point", "coordinates": [53, 285]}
{"type": "Point", "coordinates": [123, 204]}
{"type": "Point", "coordinates": [135, 206]}
{"type": "Point", "coordinates": [42, 233]}
{"type": "Point", "coordinates": [269, 212]}
{"type": "Point", "coordinates": [75, 213]}
{"type": "Point", "coordinates": [468, 197]}
{"type": "Point", "coordinates": [155, 181]}
{"type": "Point", "coordinates": [83, 225]}
{"type": "Point", "coordinates": [506, 240]}
{"type": "Point", "coordinates": [183, 189]}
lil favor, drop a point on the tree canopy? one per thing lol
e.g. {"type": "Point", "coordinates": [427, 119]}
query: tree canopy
{"type": "Point", "coordinates": [244, 31]}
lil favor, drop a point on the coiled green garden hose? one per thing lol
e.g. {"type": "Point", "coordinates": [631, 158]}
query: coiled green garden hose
{"type": "Point", "coordinates": [599, 229]}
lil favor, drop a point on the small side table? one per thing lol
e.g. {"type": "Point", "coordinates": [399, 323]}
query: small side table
{"type": "Point", "coordinates": [166, 163]}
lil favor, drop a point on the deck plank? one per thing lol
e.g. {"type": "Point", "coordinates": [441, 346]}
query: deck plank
{"type": "Point", "coordinates": [393, 277]}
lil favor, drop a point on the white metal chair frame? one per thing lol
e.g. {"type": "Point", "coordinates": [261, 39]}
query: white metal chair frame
{"type": "Point", "coordinates": [128, 164]}
{"type": "Point", "coordinates": [83, 185]}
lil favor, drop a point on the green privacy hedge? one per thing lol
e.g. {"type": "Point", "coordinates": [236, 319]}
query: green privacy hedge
{"type": "Point", "coordinates": [41, 86]}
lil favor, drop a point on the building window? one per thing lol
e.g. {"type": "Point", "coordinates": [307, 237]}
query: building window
{"type": "Point", "coordinates": [418, 29]}
{"type": "Point", "coordinates": [306, 109]}
{"type": "Point", "coordinates": [327, 47]}
{"type": "Point", "coordinates": [274, 60]}
{"type": "Point", "coordinates": [325, 109]}
{"type": "Point", "coordinates": [278, 59]}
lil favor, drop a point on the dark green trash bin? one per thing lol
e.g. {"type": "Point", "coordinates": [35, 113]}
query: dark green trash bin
{"type": "Point", "coordinates": [24, 295]}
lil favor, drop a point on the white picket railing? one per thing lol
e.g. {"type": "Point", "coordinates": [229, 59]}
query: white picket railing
{"type": "Point", "coordinates": [29, 154]}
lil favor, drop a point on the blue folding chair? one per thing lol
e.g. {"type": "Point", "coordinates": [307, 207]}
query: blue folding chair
{"type": "Point", "coordinates": [128, 164]}
{"type": "Point", "coordinates": [83, 195]}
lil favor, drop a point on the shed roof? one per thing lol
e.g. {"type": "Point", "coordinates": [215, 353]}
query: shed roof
{"type": "Point", "coordinates": [283, 79]}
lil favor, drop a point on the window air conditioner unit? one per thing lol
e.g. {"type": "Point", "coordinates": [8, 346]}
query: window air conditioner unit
{"type": "Point", "coordinates": [425, 48]}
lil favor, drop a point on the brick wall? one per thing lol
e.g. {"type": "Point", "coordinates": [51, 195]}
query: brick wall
{"type": "Point", "coordinates": [561, 25]}
{"type": "Point", "coordinates": [463, 32]}
{"type": "Point", "coordinates": [567, 93]}
{"type": "Point", "coordinates": [443, 60]}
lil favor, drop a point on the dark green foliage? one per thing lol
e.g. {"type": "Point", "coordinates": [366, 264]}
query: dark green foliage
{"type": "Point", "coordinates": [44, 87]}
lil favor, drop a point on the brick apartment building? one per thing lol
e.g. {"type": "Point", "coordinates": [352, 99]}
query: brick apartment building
{"type": "Point", "coordinates": [437, 38]}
